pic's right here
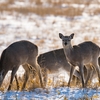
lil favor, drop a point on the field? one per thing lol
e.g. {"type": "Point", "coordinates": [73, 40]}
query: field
{"type": "Point", "coordinates": [41, 21]}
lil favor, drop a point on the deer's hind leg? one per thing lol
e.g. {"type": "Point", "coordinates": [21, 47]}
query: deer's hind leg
{"type": "Point", "coordinates": [97, 67]}
{"type": "Point", "coordinates": [2, 76]}
{"type": "Point", "coordinates": [17, 82]}
{"type": "Point", "coordinates": [81, 69]}
{"type": "Point", "coordinates": [38, 70]}
{"type": "Point", "coordinates": [26, 74]}
{"type": "Point", "coordinates": [89, 74]}
{"type": "Point", "coordinates": [45, 76]}
{"type": "Point", "coordinates": [14, 70]}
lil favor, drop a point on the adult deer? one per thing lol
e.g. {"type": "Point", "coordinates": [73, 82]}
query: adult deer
{"type": "Point", "coordinates": [52, 61]}
{"type": "Point", "coordinates": [19, 53]}
{"type": "Point", "coordinates": [86, 53]}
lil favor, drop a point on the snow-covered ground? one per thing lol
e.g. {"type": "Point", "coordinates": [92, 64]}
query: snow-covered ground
{"type": "Point", "coordinates": [43, 31]}
{"type": "Point", "coordinates": [61, 93]}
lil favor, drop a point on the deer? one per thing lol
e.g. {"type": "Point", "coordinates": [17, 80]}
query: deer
{"type": "Point", "coordinates": [86, 53]}
{"type": "Point", "coordinates": [23, 53]}
{"type": "Point", "coordinates": [52, 61]}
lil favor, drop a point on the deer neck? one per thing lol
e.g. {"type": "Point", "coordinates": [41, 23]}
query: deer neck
{"type": "Point", "coordinates": [68, 50]}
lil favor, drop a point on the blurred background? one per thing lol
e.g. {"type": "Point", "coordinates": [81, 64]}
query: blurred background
{"type": "Point", "coordinates": [40, 21]}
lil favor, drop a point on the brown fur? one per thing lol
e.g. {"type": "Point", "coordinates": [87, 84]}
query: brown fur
{"type": "Point", "coordinates": [86, 53]}
{"type": "Point", "coordinates": [52, 61]}
{"type": "Point", "coordinates": [19, 53]}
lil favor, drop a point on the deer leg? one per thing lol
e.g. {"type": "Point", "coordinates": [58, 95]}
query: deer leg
{"type": "Point", "coordinates": [34, 64]}
{"type": "Point", "coordinates": [14, 70]}
{"type": "Point", "coordinates": [17, 82]}
{"type": "Point", "coordinates": [40, 75]}
{"type": "Point", "coordinates": [77, 74]}
{"type": "Point", "coordinates": [81, 69]}
{"type": "Point", "coordinates": [71, 75]}
{"type": "Point", "coordinates": [27, 72]}
{"type": "Point", "coordinates": [89, 74]}
{"type": "Point", "coordinates": [38, 70]}
{"type": "Point", "coordinates": [95, 64]}
{"type": "Point", "coordinates": [2, 76]}
{"type": "Point", "coordinates": [45, 76]}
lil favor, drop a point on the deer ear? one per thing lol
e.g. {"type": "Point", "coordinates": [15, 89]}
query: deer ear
{"type": "Point", "coordinates": [60, 35]}
{"type": "Point", "coordinates": [72, 35]}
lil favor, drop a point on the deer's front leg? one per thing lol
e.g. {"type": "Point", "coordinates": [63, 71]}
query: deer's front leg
{"type": "Point", "coordinates": [71, 74]}
{"type": "Point", "coordinates": [81, 69]}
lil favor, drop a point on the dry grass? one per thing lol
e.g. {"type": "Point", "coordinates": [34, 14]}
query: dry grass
{"type": "Point", "coordinates": [33, 82]}
{"type": "Point", "coordinates": [96, 11]}
{"type": "Point", "coordinates": [42, 11]}
{"type": "Point", "coordinates": [55, 9]}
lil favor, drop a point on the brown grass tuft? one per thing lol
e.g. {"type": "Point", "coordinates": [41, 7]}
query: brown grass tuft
{"type": "Point", "coordinates": [55, 8]}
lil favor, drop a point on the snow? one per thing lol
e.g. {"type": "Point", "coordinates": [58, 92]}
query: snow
{"type": "Point", "coordinates": [61, 93]}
